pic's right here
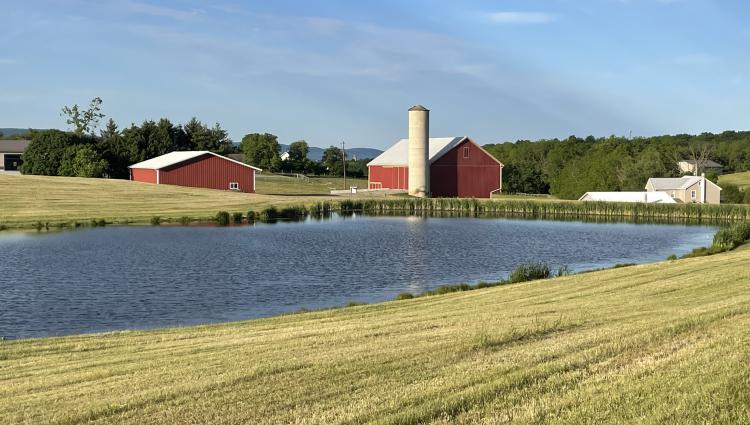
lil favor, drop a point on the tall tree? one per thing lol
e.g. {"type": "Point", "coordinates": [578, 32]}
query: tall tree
{"type": "Point", "coordinates": [332, 159]}
{"type": "Point", "coordinates": [261, 150]}
{"type": "Point", "coordinates": [82, 161]}
{"type": "Point", "coordinates": [47, 149]}
{"type": "Point", "coordinates": [298, 156]}
{"type": "Point", "coordinates": [84, 121]}
{"type": "Point", "coordinates": [115, 151]}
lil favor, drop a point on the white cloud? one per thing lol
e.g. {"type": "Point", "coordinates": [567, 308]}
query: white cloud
{"type": "Point", "coordinates": [162, 12]}
{"type": "Point", "coordinates": [521, 17]}
{"type": "Point", "coordinates": [9, 61]}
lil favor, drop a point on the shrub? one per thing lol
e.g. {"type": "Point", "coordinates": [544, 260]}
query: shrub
{"type": "Point", "coordinates": [404, 296]}
{"type": "Point", "coordinates": [185, 220]}
{"type": "Point", "coordinates": [251, 216]}
{"type": "Point", "coordinates": [731, 237]}
{"type": "Point", "coordinates": [222, 218]}
{"type": "Point", "coordinates": [532, 271]}
{"type": "Point", "coordinates": [672, 257]}
{"type": "Point", "coordinates": [563, 271]}
{"type": "Point", "coordinates": [268, 215]}
{"type": "Point", "coordinates": [101, 222]}
{"type": "Point", "coordinates": [155, 220]}
{"type": "Point", "coordinates": [237, 218]}
{"type": "Point", "coordinates": [447, 289]}
{"type": "Point", "coordinates": [731, 193]}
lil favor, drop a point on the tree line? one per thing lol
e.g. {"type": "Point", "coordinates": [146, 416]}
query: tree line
{"type": "Point", "coordinates": [568, 168]}
{"type": "Point", "coordinates": [87, 152]}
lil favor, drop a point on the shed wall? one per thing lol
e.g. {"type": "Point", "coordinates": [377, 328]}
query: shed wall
{"type": "Point", "coordinates": [211, 172]}
{"type": "Point", "coordinates": [143, 175]}
{"type": "Point", "coordinates": [388, 177]}
{"type": "Point", "coordinates": [456, 175]}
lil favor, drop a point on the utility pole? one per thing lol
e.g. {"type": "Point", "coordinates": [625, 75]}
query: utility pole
{"type": "Point", "coordinates": [343, 155]}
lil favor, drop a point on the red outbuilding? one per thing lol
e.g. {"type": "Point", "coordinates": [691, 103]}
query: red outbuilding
{"type": "Point", "coordinates": [458, 168]}
{"type": "Point", "coordinates": [196, 169]}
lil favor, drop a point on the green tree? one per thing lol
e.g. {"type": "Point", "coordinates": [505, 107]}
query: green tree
{"type": "Point", "coordinates": [115, 151]}
{"type": "Point", "coordinates": [202, 138]}
{"type": "Point", "coordinates": [82, 161]}
{"type": "Point", "coordinates": [84, 121]}
{"type": "Point", "coordinates": [46, 150]}
{"type": "Point", "coordinates": [298, 156]}
{"type": "Point", "coordinates": [261, 150]}
{"type": "Point", "coordinates": [332, 160]}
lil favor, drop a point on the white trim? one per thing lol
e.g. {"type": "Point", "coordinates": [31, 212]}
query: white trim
{"type": "Point", "coordinates": [254, 187]}
{"type": "Point", "coordinates": [234, 186]}
{"type": "Point", "coordinates": [157, 176]}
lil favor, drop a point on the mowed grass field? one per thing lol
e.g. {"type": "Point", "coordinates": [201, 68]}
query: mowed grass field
{"type": "Point", "coordinates": [273, 184]}
{"type": "Point", "coordinates": [665, 343]}
{"type": "Point", "coordinates": [739, 179]}
{"type": "Point", "coordinates": [28, 199]}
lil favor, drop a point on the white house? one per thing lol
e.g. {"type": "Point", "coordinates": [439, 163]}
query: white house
{"type": "Point", "coordinates": [687, 189]}
{"type": "Point", "coordinates": [284, 156]}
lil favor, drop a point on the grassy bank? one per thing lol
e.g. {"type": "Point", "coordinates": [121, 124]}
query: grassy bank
{"type": "Point", "coordinates": [27, 200]}
{"type": "Point", "coordinates": [663, 343]}
{"type": "Point", "coordinates": [741, 180]}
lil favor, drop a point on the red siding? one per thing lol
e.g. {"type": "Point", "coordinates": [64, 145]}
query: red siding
{"type": "Point", "coordinates": [143, 175]}
{"type": "Point", "coordinates": [209, 171]}
{"type": "Point", "coordinates": [453, 175]}
{"type": "Point", "coordinates": [389, 177]}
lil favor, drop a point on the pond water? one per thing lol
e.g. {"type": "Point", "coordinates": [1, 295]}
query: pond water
{"type": "Point", "coordinates": [116, 278]}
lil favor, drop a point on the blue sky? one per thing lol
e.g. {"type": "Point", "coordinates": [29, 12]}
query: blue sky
{"type": "Point", "coordinates": [327, 71]}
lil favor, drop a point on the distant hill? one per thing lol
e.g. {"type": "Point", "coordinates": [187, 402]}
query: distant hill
{"type": "Point", "coordinates": [13, 132]}
{"type": "Point", "coordinates": [316, 153]}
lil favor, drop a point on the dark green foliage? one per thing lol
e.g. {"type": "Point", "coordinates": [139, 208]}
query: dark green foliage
{"type": "Point", "coordinates": [155, 220]}
{"type": "Point", "coordinates": [746, 196]}
{"type": "Point", "coordinates": [332, 161]}
{"type": "Point", "coordinates": [268, 215]}
{"type": "Point", "coordinates": [532, 271]}
{"type": "Point", "coordinates": [568, 168]}
{"type": "Point", "coordinates": [731, 194]}
{"type": "Point", "coordinates": [86, 121]}
{"type": "Point", "coordinates": [447, 289]}
{"type": "Point", "coordinates": [672, 257]}
{"type": "Point", "coordinates": [82, 161]}
{"type": "Point", "coordinates": [252, 216]}
{"type": "Point", "coordinates": [222, 218]}
{"type": "Point", "coordinates": [47, 151]}
{"type": "Point", "coordinates": [261, 150]}
{"type": "Point", "coordinates": [203, 138]}
{"type": "Point", "coordinates": [237, 218]}
{"type": "Point", "coordinates": [404, 296]}
{"type": "Point", "coordinates": [292, 213]}
{"type": "Point", "coordinates": [98, 223]}
{"type": "Point", "coordinates": [185, 220]}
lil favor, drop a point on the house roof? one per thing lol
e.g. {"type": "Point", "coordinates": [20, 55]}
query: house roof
{"type": "Point", "coordinates": [706, 163]}
{"type": "Point", "coordinates": [14, 146]}
{"type": "Point", "coordinates": [677, 183]}
{"type": "Point", "coordinates": [398, 154]}
{"type": "Point", "coordinates": [174, 158]}
{"type": "Point", "coordinates": [648, 197]}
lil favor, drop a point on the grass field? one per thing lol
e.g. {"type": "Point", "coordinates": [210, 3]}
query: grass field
{"type": "Point", "coordinates": [27, 199]}
{"type": "Point", "coordinates": [666, 343]}
{"type": "Point", "coordinates": [272, 184]}
{"type": "Point", "coordinates": [740, 179]}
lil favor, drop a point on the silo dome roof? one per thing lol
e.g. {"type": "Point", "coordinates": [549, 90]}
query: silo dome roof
{"type": "Point", "coordinates": [418, 108]}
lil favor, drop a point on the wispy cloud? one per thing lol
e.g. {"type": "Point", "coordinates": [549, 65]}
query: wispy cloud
{"type": "Point", "coordinates": [163, 12]}
{"type": "Point", "coordinates": [521, 17]}
{"type": "Point", "coordinates": [9, 61]}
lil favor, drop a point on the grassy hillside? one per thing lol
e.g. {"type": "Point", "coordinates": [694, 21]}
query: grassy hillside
{"type": "Point", "coordinates": [740, 179]}
{"type": "Point", "coordinates": [665, 343]}
{"type": "Point", "coordinates": [27, 199]}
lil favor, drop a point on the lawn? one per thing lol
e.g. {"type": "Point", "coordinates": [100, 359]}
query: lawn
{"type": "Point", "coordinates": [274, 184]}
{"type": "Point", "coordinates": [28, 199]}
{"type": "Point", "coordinates": [665, 343]}
{"type": "Point", "coordinates": [740, 179]}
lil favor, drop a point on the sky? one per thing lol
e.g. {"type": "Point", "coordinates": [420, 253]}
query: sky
{"type": "Point", "coordinates": [332, 71]}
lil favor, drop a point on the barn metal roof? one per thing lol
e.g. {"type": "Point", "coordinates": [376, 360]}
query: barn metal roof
{"type": "Point", "coordinates": [647, 197]}
{"type": "Point", "coordinates": [398, 154]}
{"type": "Point", "coordinates": [174, 158]}
{"type": "Point", "coordinates": [14, 146]}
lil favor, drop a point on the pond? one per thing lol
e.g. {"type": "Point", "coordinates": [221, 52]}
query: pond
{"type": "Point", "coordinates": [117, 278]}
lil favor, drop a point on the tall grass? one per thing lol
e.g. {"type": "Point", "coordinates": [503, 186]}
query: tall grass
{"type": "Point", "coordinates": [542, 209]}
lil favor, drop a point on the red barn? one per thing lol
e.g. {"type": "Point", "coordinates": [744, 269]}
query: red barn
{"type": "Point", "coordinates": [458, 168]}
{"type": "Point", "coordinates": [196, 169]}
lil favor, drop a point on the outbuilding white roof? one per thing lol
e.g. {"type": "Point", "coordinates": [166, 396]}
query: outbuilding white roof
{"type": "Point", "coordinates": [398, 154]}
{"type": "Point", "coordinates": [647, 197]}
{"type": "Point", "coordinates": [675, 183]}
{"type": "Point", "coordinates": [176, 157]}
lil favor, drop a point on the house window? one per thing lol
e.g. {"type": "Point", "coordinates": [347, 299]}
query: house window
{"type": "Point", "coordinates": [692, 195]}
{"type": "Point", "coordinates": [673, 194]}
{"type": "Point", "coordinates": [234, 186]}
{"type": "Point", "coordinates": [466, 151]}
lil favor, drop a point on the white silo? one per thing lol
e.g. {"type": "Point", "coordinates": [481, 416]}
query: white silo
{"type": "Point", "coordinates": [419, 162]}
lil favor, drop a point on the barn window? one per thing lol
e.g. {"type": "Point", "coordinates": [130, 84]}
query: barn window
{"type": "Point", "coordinates": [234, 186]}
{"type": "Point", "coordinates": [466, 151]}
